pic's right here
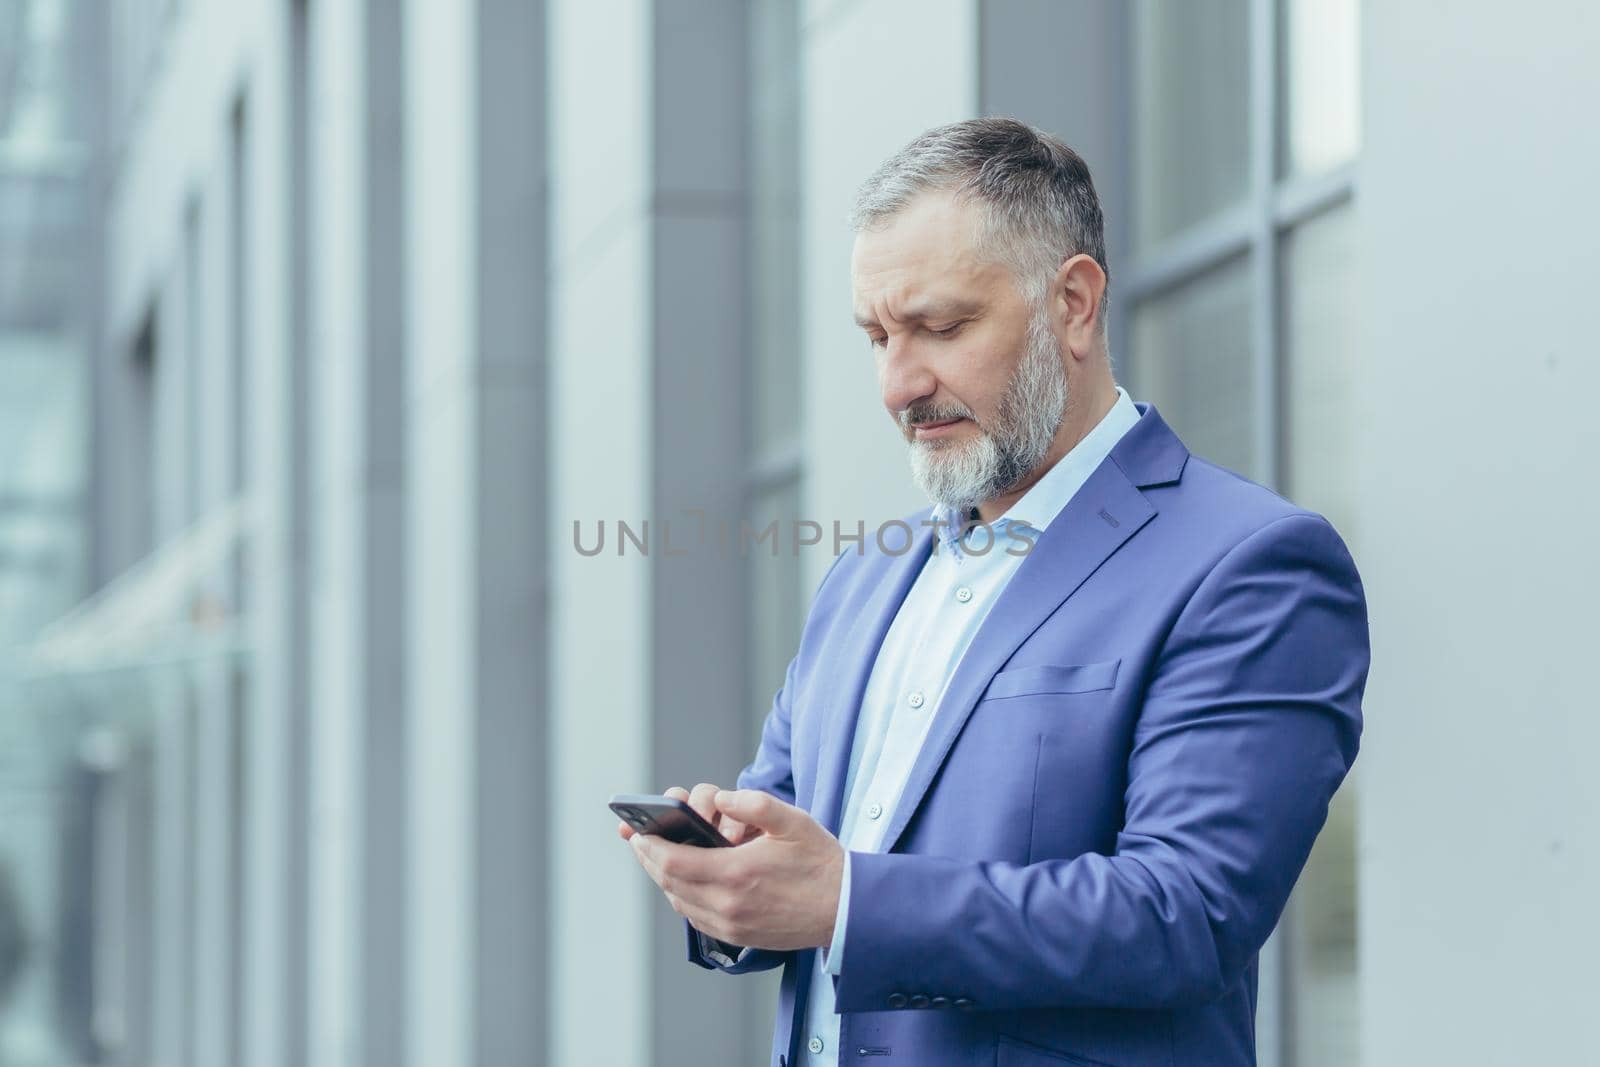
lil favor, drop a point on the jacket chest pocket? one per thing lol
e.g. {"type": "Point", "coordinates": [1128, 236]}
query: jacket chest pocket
{"type": "Point", "coordinates": [1048, 678]}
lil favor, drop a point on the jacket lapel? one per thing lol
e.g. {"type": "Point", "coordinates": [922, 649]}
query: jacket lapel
{"type": "Point", "coordinates": [1100, 517]}
{"type": "Point", "coordinates": [1107, 511]}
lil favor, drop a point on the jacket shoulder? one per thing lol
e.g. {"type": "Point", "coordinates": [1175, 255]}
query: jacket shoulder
{"type": "Point", "coordinates": [1220, 509]}
{"type": "Point", "coordinates": [1214, 488]}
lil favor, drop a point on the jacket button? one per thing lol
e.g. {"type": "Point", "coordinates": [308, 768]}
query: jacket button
{"type": "Point", "coordinates": [939, 1002]}
{"type": "Point", "coordinates": [919, 1001]}
{"type": "Point", "coordinates": [897, 1000]}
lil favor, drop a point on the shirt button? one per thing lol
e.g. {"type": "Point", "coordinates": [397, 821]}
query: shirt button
{"type": "Point", "coordinates": [963, 594]}
{"type": "Point", "coordinates": [874, 811]}
{"type": "Point", "coordinates": [915, 699]}
{"type": "Point", "coordinates": [815, 1045]}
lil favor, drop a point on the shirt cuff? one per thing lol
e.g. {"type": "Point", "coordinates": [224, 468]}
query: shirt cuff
{"type": "Point", "coordinates": [833, 955]}
{"type": "Point", "coordinates": [717, 951]}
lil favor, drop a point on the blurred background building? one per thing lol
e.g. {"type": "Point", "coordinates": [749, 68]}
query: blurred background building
{"type": "Point", "coordinates": [322, 322]}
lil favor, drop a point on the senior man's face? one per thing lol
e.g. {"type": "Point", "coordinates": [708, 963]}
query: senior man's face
{"type": "Point", "coordinates": [972, 375]}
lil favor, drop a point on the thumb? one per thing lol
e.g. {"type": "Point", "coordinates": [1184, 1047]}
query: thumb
{"type": "Point", "coordinates": [758, 809]}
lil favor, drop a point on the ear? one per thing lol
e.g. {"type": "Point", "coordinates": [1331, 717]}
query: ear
{"type": "Point", "coordinates": [1076, 309]}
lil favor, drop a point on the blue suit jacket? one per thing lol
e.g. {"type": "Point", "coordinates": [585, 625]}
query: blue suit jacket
{"type": "Point", "coordinates": [1121, 785]}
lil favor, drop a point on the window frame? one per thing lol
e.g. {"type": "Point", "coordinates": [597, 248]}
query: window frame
{"type": "Point", "coordinates": [1276, 202]}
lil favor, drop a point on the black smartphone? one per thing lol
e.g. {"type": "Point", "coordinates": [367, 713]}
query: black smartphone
{"type": "Point", "coordinates": [668, 817]}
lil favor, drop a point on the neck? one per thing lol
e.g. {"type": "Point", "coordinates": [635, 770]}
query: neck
{"type": "Point", "coordinates": [1079, 419]}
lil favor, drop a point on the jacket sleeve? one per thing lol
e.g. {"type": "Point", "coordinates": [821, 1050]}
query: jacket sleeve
{"type": "Point", "coordinates": [772, 772]}
{"type": "Point", "coordinates": [1250, 722]}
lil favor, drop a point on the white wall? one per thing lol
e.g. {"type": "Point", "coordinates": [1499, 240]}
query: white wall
{"type": "Point", "coordinates": [441, 148]}
{"type": "Point", "coordinates": [1481, 805]}
{"type": "Point", "coordinates": [601, 424]}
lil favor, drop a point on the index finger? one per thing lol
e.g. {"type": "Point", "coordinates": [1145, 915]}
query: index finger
{"type": "Point", "coordinates": [683, 864]}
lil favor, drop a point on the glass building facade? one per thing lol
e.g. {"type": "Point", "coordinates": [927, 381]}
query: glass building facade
{"type": "Point", "coordinates": [331, 329]}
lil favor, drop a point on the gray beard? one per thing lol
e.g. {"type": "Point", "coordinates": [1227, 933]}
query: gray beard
{"type": "Point", "coordinates": [965, 474]}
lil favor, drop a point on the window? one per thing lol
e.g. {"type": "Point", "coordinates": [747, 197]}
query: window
{"type": "Point", "coordinates": [1201, 369]}
{"type": "Point", "coordinates": [1191, 128]}
{"type": "Point", "coordinates": [1244, 120]}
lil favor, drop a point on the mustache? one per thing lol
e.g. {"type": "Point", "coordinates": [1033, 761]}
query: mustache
{"type": "Point", "coordinates": [923, 413]}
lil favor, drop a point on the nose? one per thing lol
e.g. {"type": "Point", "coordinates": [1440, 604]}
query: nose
{"type": "Point", "coordinates": [903, 377]}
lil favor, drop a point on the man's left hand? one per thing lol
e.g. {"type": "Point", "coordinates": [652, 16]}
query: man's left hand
{"type": "Point", "coordinates": [779, 891]}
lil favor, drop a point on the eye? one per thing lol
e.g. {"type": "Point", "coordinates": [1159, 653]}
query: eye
{"type": "Point", "coordinates": [948, 331]}
{"type": "Point", "coordinates": [877, 341]}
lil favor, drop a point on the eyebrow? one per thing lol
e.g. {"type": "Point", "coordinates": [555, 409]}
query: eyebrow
{"type": "Point", "coordinates": [922, 312]}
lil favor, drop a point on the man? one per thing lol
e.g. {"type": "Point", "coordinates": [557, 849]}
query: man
{"type": "Point", "coordinates": [1030, 808]}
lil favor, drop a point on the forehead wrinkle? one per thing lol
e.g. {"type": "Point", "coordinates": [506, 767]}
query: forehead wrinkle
{"type": "Point", "coordinates": [924, 273]}
{"type": "Point", "coordinates": [907, 304]}
{"type": "Point", "coordinates": [884, 303]}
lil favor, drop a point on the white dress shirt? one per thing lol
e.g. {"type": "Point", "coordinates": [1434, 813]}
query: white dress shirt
{"type": "Point", "coordinates": [961, 580]}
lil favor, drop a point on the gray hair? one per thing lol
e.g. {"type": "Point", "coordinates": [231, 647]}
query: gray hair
{"type": "Point", "coordinates": [1042, 207]}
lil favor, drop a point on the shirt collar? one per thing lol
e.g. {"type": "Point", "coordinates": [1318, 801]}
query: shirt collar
{"type": "Point", "coordinates": [1044, 500]}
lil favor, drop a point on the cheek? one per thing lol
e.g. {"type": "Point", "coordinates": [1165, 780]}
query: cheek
{"type": "Point", "coordinates": [978, 380]}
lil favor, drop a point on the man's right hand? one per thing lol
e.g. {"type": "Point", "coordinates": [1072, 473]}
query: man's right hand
{"type": "Point", "coordinates": [700, 800]}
